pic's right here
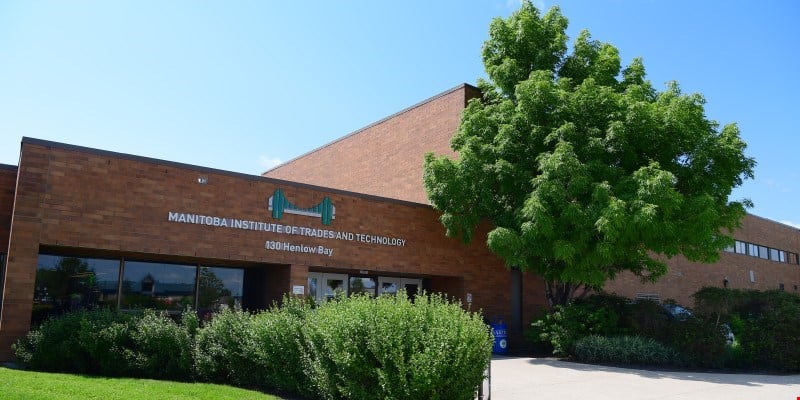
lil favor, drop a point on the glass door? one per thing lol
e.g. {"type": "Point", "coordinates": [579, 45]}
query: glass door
{"type": "Point", "coordinates": [411, 286]}
{"type": "Point", "coordinates": [391, 285]}
{"type": "Point", "coordinates": [323, 287]}
{"type": "Point", "coordinates": [388, 285]}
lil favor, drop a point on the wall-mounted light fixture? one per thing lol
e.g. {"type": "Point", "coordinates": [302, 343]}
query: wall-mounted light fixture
{"type": "Point", "coordinates": [725, 282]}
{"type": "Point", "coordinates": [202, 180]}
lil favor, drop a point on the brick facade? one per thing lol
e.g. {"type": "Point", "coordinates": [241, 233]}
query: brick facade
{"type": "Point", "coordinates": [94, 203]}
{"type": "Point", "coordinates": [385, 158]}
{"type": "Point", "coordinates": [684, 277]}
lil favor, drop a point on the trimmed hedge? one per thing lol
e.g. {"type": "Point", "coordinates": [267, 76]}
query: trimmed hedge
{"type": "Point", "coordinates": [349, 348]}
{"type": "Point", "coordinates": [623, 350]}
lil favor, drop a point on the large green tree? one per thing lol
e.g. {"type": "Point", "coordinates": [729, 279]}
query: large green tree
{"type": "Point", "coordinates": [583, 168]}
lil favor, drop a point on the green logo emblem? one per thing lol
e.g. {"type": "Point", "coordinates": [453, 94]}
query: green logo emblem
{"type": "Point", "coordinates": [279, 205]}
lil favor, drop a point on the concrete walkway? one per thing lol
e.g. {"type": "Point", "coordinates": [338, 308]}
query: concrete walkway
{"type": "Point", "coordinates": [518, 378]}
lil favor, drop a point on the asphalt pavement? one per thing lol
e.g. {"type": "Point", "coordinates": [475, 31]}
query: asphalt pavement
{"type": "Point", "coordinates": [518, 378]}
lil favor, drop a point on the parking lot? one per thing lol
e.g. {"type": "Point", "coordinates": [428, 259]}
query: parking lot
{"type": "Point", "coordinates": [517, 378]}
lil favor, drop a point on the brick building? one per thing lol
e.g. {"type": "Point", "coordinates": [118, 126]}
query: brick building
{"type": "Point", "coordinates": [81, 227]}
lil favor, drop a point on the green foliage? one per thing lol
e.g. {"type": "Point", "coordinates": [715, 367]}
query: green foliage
{"type": "Point", "coordinates": [565, 325]}
{"type": "Point", "coordinates": [270, 344]}
{"type": "Point", "coordinates": [69, 343]}
{"type": "Point", "coordinates": [623, 350]}
{"type": "Point", "coordinates": [102, 342]}
{"type": "Point", "coordinates": [697, 342]}
{"type": "Point", "coordinates": [582, 166]}
{"type": "Point", "coordinates": [391, 347]}
{"type": "Point", "coordinates": [764, 323]}
{"type": "Point", "coordinates": [354, 348]}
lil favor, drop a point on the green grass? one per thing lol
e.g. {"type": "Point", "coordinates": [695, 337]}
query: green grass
{"type": "Point", "coordinates": [29, 385]}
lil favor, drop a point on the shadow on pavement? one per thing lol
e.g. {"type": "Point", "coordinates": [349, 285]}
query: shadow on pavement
{"type": "Point", "coordinates": [715, 377]}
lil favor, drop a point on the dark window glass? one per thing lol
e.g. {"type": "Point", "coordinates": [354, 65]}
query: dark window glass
{"type": "Point", "coordinates": [359, 284]}
{"type": "Point", "coordinates": [763, 252]}
{"type": "Point", "coordinates": [219, 287]}
{"type": "Point", "coordinates": [73, 283]}
{"type": "Point", "coordinates": [157, 285]}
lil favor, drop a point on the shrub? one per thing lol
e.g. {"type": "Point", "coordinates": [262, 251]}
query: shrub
{"type": "Point", "coordinates": [226, 349]}
{"type": "Point", "coordinates": [771, 338]}
{"type": "Point", "coordinates": [279, 335]}
{"type": "Point", "coordinates": [391, 347]}
{"type": "Point", "coordinates": [110, 343]}
{"type": "Point", "coordinates": [764, 324]}
{"type": "Point", "coordinates": [159, 348]}
{"type": "Point", "coordinates": [69, 343]}
{"type": "Point", "coordinates": [599, 314]}
{"type": "Point", "coordinates": [623, 350]}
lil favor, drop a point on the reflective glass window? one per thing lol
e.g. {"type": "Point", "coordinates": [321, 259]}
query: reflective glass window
{"type": "Point", "coordinates": [741, 247]}
{"type": "Point", "coordinates": [752, 250]}
{"type": "Point", "coordinates": [773, 255]}
{"type": "Point", "coordinates": [66, 284]}
{"type": "Point", "coordinates": [360, 284]}
{"type": "Point", "coordinates": [157, 285]}
{"type": "Point", "coordinates": [763, 252]}
{"type": "Point", "coordinates": [219, 286]}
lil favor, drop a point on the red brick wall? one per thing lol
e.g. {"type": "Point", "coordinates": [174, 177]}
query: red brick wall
{"type": "Point", "coordinates": [684, 278]}
{"type": "Point", "coordinates": [8, 181]}
{"type": "Point", "coordinates": [385, 159]}
{"type": "Point", "coordinates": [71, 197]}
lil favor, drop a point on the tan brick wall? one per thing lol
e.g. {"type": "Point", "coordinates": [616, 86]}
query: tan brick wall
{"type": "Point", "coordinates": [385, 159]}
{"type": "Point", "coordinates": [684, 278]}
{"type": "Point", "coordinates": [101, 202]}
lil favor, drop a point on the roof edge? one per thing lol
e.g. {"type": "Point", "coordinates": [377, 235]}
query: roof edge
{"type": "Point", "coordinates": [775, 222]}
{"type": "Point", "coordinates": [199, 168]}
{"type": "Point", "coordinates": [380, 121]}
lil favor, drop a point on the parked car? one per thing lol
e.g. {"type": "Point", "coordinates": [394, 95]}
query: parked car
{"type": "Point", "coordinates": [682, 314]}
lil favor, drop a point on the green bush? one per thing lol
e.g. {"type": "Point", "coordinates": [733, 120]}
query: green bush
{"type": "Point", "coordinates": [598, 315]}
{"type": "Point", "coordinates": [764, 323]}
{"type": "Point", "coordinates": [159, 348]}
{"type": "Point", "coordinates": [771, 338]}
{"type": "Point", "coordinates": [109, 343]}
{"type": "Point", "coordinates": [226, 349]}
{"type": "Point", "coordinates": [623, 350]}
{"type": "Point", "coordinates": [70, 343]}
{"type": "Point", "coordinates": [353, 348]}
{"type": "Point", "coordinates": [393, 348]}
{"type": "Point", "coordinates": [270, 344]}
{"type": "Point", "coordinates": [279, 333]}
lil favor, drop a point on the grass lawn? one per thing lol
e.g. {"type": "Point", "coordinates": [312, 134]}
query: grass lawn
{"type": "Point", "coordinates": [15, 384]}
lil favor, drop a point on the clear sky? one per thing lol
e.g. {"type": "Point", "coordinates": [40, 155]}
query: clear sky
{"type": "Point", "coordinates": [242, 85]}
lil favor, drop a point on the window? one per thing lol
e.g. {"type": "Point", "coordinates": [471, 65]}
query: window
{"type": "Point", "coordinates": [773, 255]}
{"type": "Point", "coordinates": [157, 285]}
{"type": "Point", "coordinates": [763, 252]}
{"type": "Point", "coordinates": [219, 286]}
{"type": "Point", "coordinates": [66, 284]}
{"type": "Point", "coordinates": [729, 249]}
{"type": "Point", "coordinates": [360, 284]}
{"type": "Point", "coordinates": [752, 250]}
{"type": "Point", "coordinates": [741, 247]}
{"type": "Point", "coordinates": [781, 256]}
{"type": "Point", "coordinates": [793, 258]}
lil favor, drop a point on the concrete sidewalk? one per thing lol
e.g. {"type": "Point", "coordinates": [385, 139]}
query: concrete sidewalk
{"type": "Point", "coordinates": [518, 378]}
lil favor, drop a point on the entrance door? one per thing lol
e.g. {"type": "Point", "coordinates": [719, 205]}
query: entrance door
{"type": "Point", "coordinates": [323, 287]}
{"type": "Point", "coordinates": [390, 285]}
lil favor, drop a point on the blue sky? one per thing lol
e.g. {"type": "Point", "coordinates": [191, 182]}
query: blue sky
{"type": "Point", "coordinates": [243, 85]}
